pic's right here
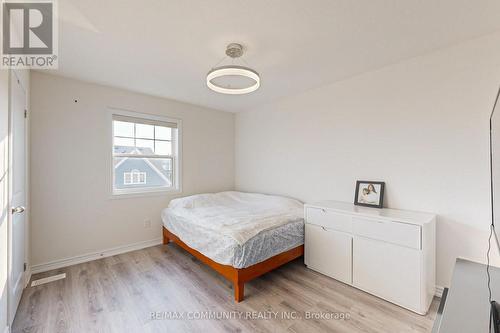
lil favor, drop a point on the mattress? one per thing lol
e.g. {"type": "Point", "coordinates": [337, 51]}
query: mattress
{"type": "Point", "coordinates": [234, 228]}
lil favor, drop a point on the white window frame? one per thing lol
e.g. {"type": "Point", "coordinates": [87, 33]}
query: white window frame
{"type": "Point", "coordinates": [176, 156]}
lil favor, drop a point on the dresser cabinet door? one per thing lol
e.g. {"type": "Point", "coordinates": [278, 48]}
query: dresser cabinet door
{"type": "Point", "coordinates": [329, 252]}
{"type": "Point", "coordinates": [388, 271]}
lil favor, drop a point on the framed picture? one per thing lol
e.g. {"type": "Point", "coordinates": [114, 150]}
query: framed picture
{"type": "Point", "coordinates": [369, 194]}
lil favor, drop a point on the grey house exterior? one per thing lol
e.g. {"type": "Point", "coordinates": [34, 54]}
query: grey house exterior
{"type": "Point", "coordinates": [158, 172]}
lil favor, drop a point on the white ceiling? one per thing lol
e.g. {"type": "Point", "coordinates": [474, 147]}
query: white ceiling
{"type": "Point", "coordinates": [166, 47]}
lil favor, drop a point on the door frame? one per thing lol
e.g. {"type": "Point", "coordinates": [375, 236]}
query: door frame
{"type": "Point", "coordinates": [23, 77]}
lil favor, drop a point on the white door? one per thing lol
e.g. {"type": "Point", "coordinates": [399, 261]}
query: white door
{"type": "Point", "coordinates": [329, 252]}
{"type": "Point", "coordinates": [388, 271]}
{"type": "Point", "coordinates": [18, 193]}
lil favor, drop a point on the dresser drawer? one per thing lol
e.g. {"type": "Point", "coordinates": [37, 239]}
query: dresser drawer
{"type": "Point", "coordinates": [392, 232]}
{"type": "Point", "coordinates": [329, 219]}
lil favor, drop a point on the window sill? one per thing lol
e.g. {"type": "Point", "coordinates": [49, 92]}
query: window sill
{"type": "Point", "coordinates": [143, 193]}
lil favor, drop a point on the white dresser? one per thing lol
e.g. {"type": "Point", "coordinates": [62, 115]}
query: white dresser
{"type": "Point", "coordinates": [386, 252]}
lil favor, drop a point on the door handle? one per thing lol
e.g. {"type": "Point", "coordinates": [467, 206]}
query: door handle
{"type": "Point", "coordinates": [18, 210]}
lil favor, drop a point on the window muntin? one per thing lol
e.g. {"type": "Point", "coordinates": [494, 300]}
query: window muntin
{"type": "Point", "coordinates": [144, 154]}
{"type": "Point", "coordinates": [154, 140]}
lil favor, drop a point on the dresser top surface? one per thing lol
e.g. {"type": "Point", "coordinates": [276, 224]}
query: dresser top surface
{"type": "Point", "coordinates": [385, 213]}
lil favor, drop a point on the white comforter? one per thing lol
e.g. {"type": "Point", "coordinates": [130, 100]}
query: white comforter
{"type": "Point", "coordinates": [237, 215]}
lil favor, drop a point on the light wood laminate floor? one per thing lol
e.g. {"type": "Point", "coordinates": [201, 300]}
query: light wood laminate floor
{"type": "Point", "coordinates": [120, 293]}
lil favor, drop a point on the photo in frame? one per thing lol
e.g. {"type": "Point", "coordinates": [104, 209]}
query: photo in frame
{"type": "Point", "coordinates": [369, 194]}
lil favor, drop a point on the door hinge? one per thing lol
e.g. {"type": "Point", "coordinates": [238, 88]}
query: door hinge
{"type": "Point", "coordinates": [25, 266]}
{"type": "Point", "coordinates": [25, 113]}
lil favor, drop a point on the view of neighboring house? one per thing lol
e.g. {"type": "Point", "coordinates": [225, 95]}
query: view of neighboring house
{"type": "Point", "coordinates": [140, 172]}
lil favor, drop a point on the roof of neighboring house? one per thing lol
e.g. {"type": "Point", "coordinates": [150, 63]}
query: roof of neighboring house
{"type": "Point", "coordinates": [157, 164]}
{"type": "Point", "coordinates": [132, 150]}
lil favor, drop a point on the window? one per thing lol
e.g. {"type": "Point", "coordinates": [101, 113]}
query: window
{"type": "Point", "coordinates": [145, 153]}
{"type": "Point", "coordinates": [134, 177]}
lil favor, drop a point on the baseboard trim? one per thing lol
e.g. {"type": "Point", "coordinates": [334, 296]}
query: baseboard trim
{"type": "Point", "coordinates": [439, 291]}
{"type": "Point", "coordinates": [56, 264]}
{"type": "Point", "coordinates": [27, 276]}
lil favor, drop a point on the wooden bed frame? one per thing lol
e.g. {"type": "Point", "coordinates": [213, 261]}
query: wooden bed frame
{"type": "Point", "coordinates": [238, 276]}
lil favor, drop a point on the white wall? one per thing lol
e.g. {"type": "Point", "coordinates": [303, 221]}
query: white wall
{"type": "Point", "coordinates": [72, 212]}
{"type": "Point", "coordinates": [420, 125]}
{"type": "Point", "coordinates": [4, 129]}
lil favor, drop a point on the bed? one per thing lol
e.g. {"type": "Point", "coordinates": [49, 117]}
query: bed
{"type": "Point", "coordinates": [240, 235]}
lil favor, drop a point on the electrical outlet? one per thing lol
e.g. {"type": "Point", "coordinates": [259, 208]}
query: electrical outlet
{"type": "Point", "coordinates": [147, 224]}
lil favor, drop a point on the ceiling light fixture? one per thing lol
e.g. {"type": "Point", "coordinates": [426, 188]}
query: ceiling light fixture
{"type": "Point", "coordinates": [217, 75]}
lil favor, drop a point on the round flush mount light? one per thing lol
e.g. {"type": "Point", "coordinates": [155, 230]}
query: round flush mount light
{"type": "Point", "coordinates": [233, 79]}
{"type": "Point", "coordinates": [233, 71]}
